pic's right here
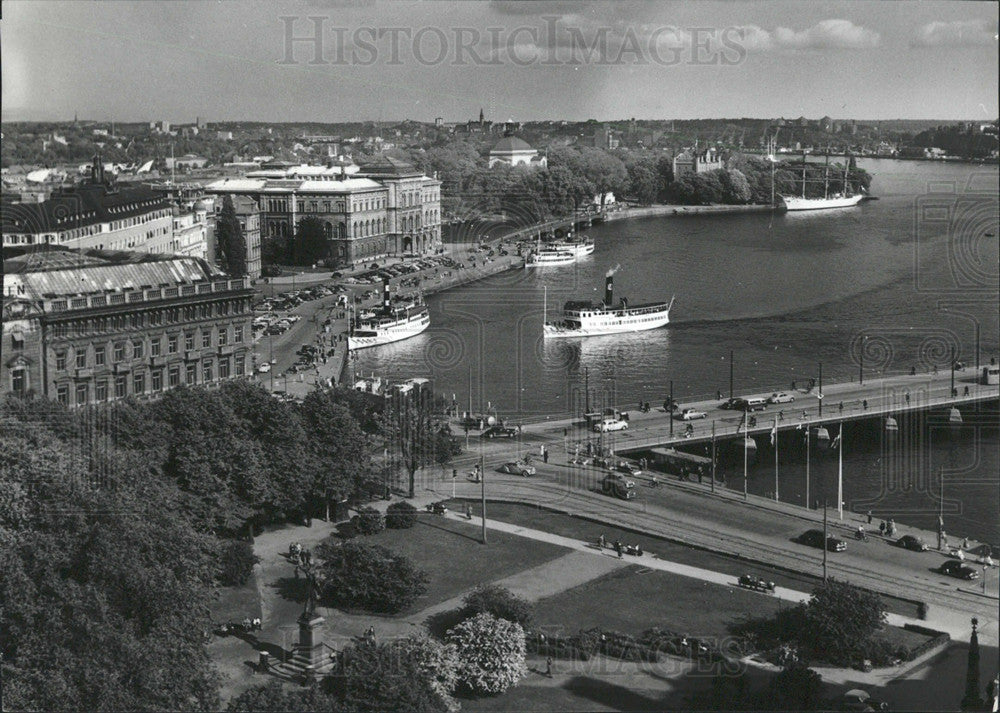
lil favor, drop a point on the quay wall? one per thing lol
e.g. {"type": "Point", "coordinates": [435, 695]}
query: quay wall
{"type": "Point", "coordinates": [683, 210]}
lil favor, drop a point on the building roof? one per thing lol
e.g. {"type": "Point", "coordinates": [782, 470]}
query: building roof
{"type": "Point", "coordinates": [81, 206]}
{"type": "Point", "coordinates": [287, 186]}
{"type": "Point", "coordinates": [509, 144]}
{"type": "Point", "coordinates": [63, 273]}
{"type": "Point", "coordinates": [389, 166]}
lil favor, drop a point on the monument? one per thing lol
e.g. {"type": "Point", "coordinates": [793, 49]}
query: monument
{"type": "Point", "coordinates": [309, 654]}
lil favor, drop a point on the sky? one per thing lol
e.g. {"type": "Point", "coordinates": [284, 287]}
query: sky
{"type": "Point", "coordinates": [377, 60]}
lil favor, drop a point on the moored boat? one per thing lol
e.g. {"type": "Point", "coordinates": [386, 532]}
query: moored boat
{"type": "Point", "coordinates": [393, 322]}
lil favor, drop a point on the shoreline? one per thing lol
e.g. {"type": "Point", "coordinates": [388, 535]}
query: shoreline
{"type": "Point", "coordinates": [670, 210]}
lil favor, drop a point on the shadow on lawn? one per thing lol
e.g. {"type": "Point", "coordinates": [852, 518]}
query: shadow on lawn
{"type": "Point", "coordinates": [611, 695]}
{"type": "Point", "coordinates": [459, 531]}
{"type": "Point", "coordinates": [292, 589]}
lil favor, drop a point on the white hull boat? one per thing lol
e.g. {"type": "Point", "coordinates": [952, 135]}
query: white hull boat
{"type": "Point", "coordinates": [392, 323]}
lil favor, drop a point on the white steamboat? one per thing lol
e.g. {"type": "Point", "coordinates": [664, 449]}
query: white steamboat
{"type": "Point", "coordinates": [393, 322]}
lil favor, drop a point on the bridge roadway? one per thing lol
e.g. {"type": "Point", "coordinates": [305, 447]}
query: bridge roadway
{"type": "Point", "coordinates": [887, 396]}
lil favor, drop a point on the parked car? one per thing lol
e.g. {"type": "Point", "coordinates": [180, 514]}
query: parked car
{"type": "Point", "coordinates": [814, 538]}
{"type": "Point", "coordinates": [610, 424]}
{"type": "Point", "coordinates": [690, 414]}
{"type": "Point", "coordinates": [954, 568]}
{"type": "Point", "coordinates": [780, 397]}
{"type": "Point", "coordinates": [518, 469]}
{"type": "Point", "coordinates": [912, 542]}
{"type": "Point", "coordinates": [499, 432]}
{"type": "Point", "coordinates": [264, 368]}
{"type": "Point", "coordinates": [628, 468]}
{"type": "Point", "coordinates": [730, 404]}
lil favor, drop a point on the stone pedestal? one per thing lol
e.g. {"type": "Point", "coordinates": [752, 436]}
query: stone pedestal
{"type": "Point", "coordinates": [309, 653]}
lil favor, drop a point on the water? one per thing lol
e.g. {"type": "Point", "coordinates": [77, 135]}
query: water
{"type": "Point", "coordinates": [910, 276]}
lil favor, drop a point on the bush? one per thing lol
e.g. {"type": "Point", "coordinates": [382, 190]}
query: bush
{"type": "Point", "coordinates": [368, 521]}
{"type": "Point", "coordinates": [490, 653]}
{"type": "Point", "coordinates": [500, 602]}
{"type": "Point", "coordinates": [270, 271]}
{"type": "Point", "coordinates": [367, 576]}
{"type": "Point", "coordinates": [400, 516]}
{"type": "Point", "coordinates": [558, 647]}
{"type": "Point", "coordinates": [237, 563]}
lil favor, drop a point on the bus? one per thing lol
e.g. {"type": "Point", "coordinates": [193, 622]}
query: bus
{"type": "Point", "coordinates": [991, 375]}
{"type": "Point", "coordinates": [680, 463]}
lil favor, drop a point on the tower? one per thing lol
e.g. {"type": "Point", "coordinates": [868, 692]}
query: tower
{"type": "Point", "coordinates": [482, 118]}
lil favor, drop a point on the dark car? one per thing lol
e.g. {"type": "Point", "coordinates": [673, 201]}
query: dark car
{"type": "Point", "coordinates": [911, 542]}
{"type": "Point", "coordinates": [814, 538]}
{"type": "Point", "coordinates": [730, 404]}
{"type": "Point", "coordinates": [954, 568]}
{"type": "Point", "coordinates": [499, 432]}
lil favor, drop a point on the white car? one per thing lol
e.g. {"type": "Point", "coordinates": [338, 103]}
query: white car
{"type": "Point", "coordinates": [690, 414]}
{"type": "Point", "coordinates": [610, 424]}
{"type": "Point", "coordinates": [780, 397]}
{"type": "Point", "coordinates": [264, 368]}
{"type": "Point", "coordinates": [518, 469]}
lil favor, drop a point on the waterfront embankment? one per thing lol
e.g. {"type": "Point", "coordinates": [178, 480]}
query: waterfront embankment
{"type": "Point", "coordinates": [649, 211]}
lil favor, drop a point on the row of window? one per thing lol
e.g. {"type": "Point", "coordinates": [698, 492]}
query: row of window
{"type": "Point", "coordinates": [136, 348]}
{"type": "Point", "coordinates": [141, 382]}
{"type": "Point", "coordinates": [141, 319]}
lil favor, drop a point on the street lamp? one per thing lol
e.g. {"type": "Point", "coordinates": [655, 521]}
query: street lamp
{"type": "Point", "coordinates": [861, 362]}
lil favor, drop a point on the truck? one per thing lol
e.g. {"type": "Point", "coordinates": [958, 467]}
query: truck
{"type": "Point", "coordinates": [617, 485]}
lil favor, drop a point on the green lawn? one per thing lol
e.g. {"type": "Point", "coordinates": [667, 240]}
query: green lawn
{"type": "Point", "coordinates": [451, 554]}
{"type": "Point", "coordinates": [587, 531]}
{"type": "Point", "coordinates": [634, 599]}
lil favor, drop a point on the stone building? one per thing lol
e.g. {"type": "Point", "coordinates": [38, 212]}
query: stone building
{"type": "Point", "coordinates": [694, 161]}
{"type": "Point", "coordinates": [515, 152]}
{"type": "Point", "coordinates": [91, 326]}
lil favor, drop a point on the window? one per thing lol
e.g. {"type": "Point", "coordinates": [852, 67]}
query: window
{"type": "Point", "coordinates": [206, 370]}
{"type": "Point", "coordinates": [224, 368]}
{"type": "Point", "coordinates": [62, 394]}
{"type": "Point", "coordinates": [81, 394]}
{"type": "Point", "coordinates": [192, 374]}
{"type": "Point", "coordinates": [81, 357]}
{"type": "Point", "coordinates": [99, 357]}
{"type": "Point", "coordinates": [60, 361]}
{"type": "Point", "coordinates": [121, 389]}
{"type": "Point", "coordinates": [189, 341]}
{"type": "Point", "coordinates": [137, 349]}
{"type": "Point", "coordinates": [223, 336]}
{"type": "Point", "coordinates": [157, 379]}
{"type": "Point", "coordinates": [154, 346]}
{"type": "Point", "coordinates": [119, 351]}
{"type": "Point", "coordinates": [238, 334]}
{"type": "Point", "coordinates": [174, 376]}
{"type": "Point", "coordinates": [172, 344]}
{"type": "Point", "coordinates": [206, 339]}
{"type": "Point", "coordinates": [240, 365]}
{"type": "Point", "coordinates": [138, 383]}
{"type": "Point", "coordinates": [101, 391]}
{"type": "Point", "coordinates": [19, 381]}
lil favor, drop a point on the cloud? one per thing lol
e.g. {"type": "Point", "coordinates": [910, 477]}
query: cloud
{"type": "Point", "coordinates": [538, 7]}
{"type": "Point", "coordinates": [960, 33]}
{"type": "Point", "coordinates": [827, 34]}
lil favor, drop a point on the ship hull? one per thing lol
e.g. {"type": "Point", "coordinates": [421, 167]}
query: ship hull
{"type": "Point", "coordinates": [566, 258]}
{"type": "Point", "coordinates": [391, 333]}
{"type": "Point", "coordinates": [794, 203]}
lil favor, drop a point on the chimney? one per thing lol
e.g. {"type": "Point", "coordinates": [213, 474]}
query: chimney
{"type": "Point", "coordinates": [608, 288]}
{"type": "Point", "coordinates": [386, 300]}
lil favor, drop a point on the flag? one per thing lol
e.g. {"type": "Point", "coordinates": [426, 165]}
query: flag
{"type": "Point", "coordinates": [774, 432]}
{"type": "Point", "coordinates": [835, 443]}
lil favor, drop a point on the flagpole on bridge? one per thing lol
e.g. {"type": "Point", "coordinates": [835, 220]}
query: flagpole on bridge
{"type": "Point", "coordinates": [840, 471]}
{"type": "Point", "coordinates": [745, 496]}
{"type": "Point", "coordinates": [774, 442]}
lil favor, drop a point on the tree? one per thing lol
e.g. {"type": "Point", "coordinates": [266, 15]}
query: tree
{"type": "Point", "coordinates": [796, 688]}
{"type": "Point", "coordinates": [410, 674]}
{"type": "Point", "coordinates": [643, 179]}
{"type": "Point", "coordinates": [309, 245]}
{"type": "Point", "coordinates": [367, 576]}
{"type": "Point", "coordinates": [275, 698]}
{"type": "Point", "coordinates": [500, 602]}
{"type": "Point", "coordinates": [735, 186]}
{"type": "Point", "coordinates": [490, 652]}
{"type": "Point", "coordinates": [229, 238]}
{"type": "Point", "coordinates": [400, 516]}
{"type": "Point", "coordinates": [238, 560]}
{"type": "Point", "coordinates": [841, 621]}
{"type": "Point", "coordinates": [408, 426]}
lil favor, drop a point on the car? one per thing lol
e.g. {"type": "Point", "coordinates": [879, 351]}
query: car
{"type": "Point", "coordinates": [730, 404]}
{"type": "Point", "coordinates": [264, 368]}
{"type": "Point", "coordinates": [499, 432]}
{"type": "Point", "coordinates": [618, 485]}
{"type": "Point", "coordinates": [912, 542]}
{"type": "Point", "coordinates": [780, 397]}
{"type": "Point", "coordinates": [628, 468]}
{"type": "Point", "coordinates": [814, 538]}
{"type": "Point", "coordinates": [336, 275]}
{"type": "Point", "coordinates": [610, 424]}
{"type": "Point", "coordinates": [518, 469]}
{"type": "Point", "coordinates": [690, 414]}
{"type": "Point", "coordinates": [954, 568]}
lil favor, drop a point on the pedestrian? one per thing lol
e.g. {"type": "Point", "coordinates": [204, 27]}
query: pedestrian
{"type": "Point", "coordinates": [618, 548]}
{"type": "Point", "coordinates": [864, 404]}
{"type": "Point", "coordinates": [869, 517]}
{"type": "Point", "coordinates": [965, 543]}
{"type": "Point", "coordinates": [468, 511]}
{"type": "Point", "coordinates": [545, 455]}
{"type": "Point", "coordinates": [966, 391]}
{"type": "Point", "coordinates": [892, 527]}
{"type": "Point", "coordinates": [548, 666]}
{"type": "Point", "coordinates": [841, 406]}
{"type": "Point", "coordinates": [601, 541]}
{"type": "Point", "coordinates": [881, 528]}
{"type": "Point", "coordinates": [718, 394]}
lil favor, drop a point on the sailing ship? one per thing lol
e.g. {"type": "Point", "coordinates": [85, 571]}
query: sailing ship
{"type": "Point", "coordinates": [586, 319]}
{"type": "Point", "coordinates": [836, 200]}
{"type": "Point", "coordinates": [393, 322]}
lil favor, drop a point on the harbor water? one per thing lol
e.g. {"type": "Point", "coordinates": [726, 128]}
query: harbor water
{"type": "Point", "coordinates": [905, 281]}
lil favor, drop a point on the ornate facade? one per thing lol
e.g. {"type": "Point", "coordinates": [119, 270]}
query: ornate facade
{"type": "Point", "coordinates": [89, 327]}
